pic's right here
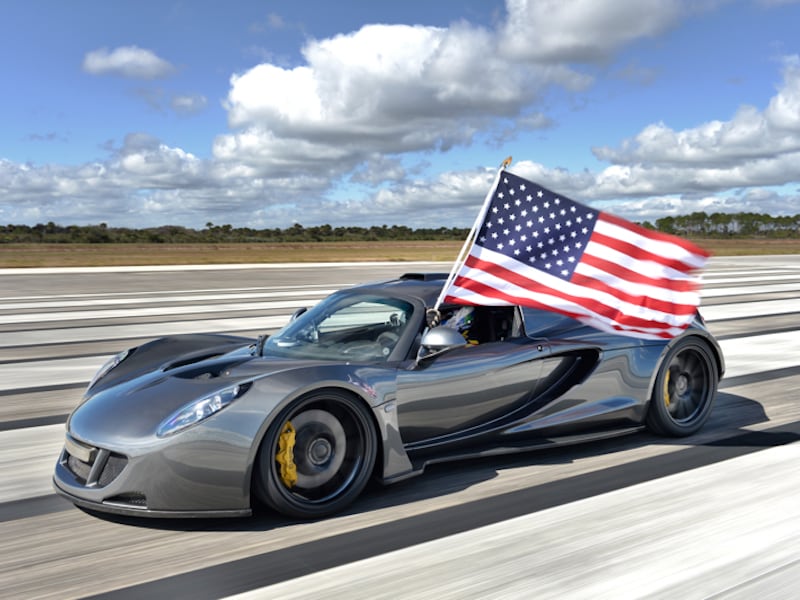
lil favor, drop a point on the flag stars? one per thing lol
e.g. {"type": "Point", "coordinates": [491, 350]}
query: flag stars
{"type": "Point", "coordinates": [537, 227]}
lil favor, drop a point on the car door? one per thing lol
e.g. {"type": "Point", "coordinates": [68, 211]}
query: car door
{"type": "Point", "coordinates": [463, 388]}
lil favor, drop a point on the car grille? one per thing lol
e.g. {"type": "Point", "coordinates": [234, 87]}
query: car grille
{"type": "Point", "coordinates": [92, 467]}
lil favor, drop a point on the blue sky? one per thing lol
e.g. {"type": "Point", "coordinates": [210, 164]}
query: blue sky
{"type": "Point", "coordinates": [358, 112]}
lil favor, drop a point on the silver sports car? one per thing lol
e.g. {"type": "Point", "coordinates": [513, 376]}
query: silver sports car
{"type": "Point", "coordinates": [362, 386]}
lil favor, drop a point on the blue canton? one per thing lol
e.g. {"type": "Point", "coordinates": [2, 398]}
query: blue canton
{"type": "Point", "coordinates": [533, 225]}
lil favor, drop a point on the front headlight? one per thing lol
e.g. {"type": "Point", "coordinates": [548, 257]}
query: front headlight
{"type": "Point", "coordinates": [201, 409]}
{"type": "Point", "coordinates": [109, 364]}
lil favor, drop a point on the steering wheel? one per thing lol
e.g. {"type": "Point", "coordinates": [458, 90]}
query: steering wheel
{"type": "Point", "coordinates": [388, 339]}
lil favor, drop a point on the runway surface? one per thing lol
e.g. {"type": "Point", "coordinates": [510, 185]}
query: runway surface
{"type": "Point", "coordinates": [716, 515]}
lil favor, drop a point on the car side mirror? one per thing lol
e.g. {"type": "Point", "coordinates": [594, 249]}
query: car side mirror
{"type": "Point", "coordinates": [440, 339]}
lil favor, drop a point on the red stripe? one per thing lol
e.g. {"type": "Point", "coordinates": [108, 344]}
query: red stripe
{"type": "Point", "coordinates": [663, 306]}
{"type": "Point", "coordinates": [676, 285]}
{"type": "Point", "coordinates": [655, 235]}
{"type": "Point", "coordinates": [610, 313]}
{"type": "Point", "coordinates": [625, 247]}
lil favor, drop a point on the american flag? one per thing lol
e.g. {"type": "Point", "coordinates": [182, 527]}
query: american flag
{"type": "Point", "coordinates": [540, 249]}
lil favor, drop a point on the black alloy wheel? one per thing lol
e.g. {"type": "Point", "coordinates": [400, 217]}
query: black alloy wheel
{"type": "Point", "coordinates": [317, 456]}
{"type": "Point", "coordinates": [684, 390]}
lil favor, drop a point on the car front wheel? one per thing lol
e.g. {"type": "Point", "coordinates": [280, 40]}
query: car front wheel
{"type": "Point", "coordinates": [684, 391]}
{"type": "Point", "coordinates": [317, 456]}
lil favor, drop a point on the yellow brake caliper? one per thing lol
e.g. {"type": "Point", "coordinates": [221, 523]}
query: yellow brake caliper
{"type": "Point", "coordinates": [666, 388]}
{"type": "Point", "coordinates": [285, 455]}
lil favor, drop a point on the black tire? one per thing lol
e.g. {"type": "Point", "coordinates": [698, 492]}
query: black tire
{"type": "Point", "coordinates": [684, 390]}
{"type": "Point", "coordinates": [334, 454]}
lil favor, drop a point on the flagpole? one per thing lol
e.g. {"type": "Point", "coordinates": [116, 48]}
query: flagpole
{"type": "Point", "coordinates": [471, 237]}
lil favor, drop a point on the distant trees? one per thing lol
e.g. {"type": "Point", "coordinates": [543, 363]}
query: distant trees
{"type": "Point", "coordinates": [175, 234]}
{"type": "Point", "coordinates": [697, 225]}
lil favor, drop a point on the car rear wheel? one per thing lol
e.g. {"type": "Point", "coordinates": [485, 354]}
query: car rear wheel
{"type": "Point", "coordinates": [684, 391]}
{"type": "Point", "coordinates": [317, 457]}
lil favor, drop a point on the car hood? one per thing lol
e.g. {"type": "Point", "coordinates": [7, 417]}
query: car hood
{"type": "Point", "coordinates": [130, 411]}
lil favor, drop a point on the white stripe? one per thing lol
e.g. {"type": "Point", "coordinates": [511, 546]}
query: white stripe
{"type": "Point", "coordinates": [649, 268]}
{"type": "Point", "coordinates": [653, 246]}
{"type": "Point", "coordinates": [188, 297]}
{"type": "Point", "coordinates": [139, 330]}
{"type": "Point", "coordinates": [146, 312]}
{"type": "Point", "coordinates": [739, 310]}
{"type": "Point", "coordinates": [642, 289]}
{"type": "Point", "coordinates": [27, 461]}
{"type": "Point", "coordinates": [227, 267]}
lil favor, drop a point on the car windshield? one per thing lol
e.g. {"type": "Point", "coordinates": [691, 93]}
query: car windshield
{"type": "Point", "coordinates": [344, 326]}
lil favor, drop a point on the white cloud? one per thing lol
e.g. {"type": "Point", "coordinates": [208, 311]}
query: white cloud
{"type": "Point", "coordinates": [754, 148]}
{"type": "Point", "coordinates": [582, 30]}
{"type": "Point", "coordinates": [127, 61]}
{"type": "Point", "coordinates": [189, 103]}
{"type": "Point", "coordinates": [382, 89]}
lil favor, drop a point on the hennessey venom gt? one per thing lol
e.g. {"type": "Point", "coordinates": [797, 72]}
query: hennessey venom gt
{"type": "Point", "coordinates": [361, 386]}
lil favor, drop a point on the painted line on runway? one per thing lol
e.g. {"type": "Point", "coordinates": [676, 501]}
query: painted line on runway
{"type": "Point", "coordinates": [225, 267]}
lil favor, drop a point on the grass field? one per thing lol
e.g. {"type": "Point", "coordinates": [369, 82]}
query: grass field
{"type": "Point", "coordinates": [90, 255]}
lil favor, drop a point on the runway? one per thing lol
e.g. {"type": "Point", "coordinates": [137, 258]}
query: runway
{"type": "Point", "coordinates": [712, 516]}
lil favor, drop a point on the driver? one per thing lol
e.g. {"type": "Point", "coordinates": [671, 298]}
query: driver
{"type": "Point", "coordinates": [462, 320]}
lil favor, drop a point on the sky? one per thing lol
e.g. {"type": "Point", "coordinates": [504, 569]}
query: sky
{"type": "Point", "coordinates": [265, 114]}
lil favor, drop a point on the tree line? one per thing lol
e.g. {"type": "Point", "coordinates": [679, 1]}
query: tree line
{"type": "Point", "coordinates": [697, 224]}
{"type": "Point", "coordinates": [175, 234]}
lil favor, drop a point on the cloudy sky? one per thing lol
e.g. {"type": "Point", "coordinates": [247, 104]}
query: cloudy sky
{"type": "Point", "coordinates": [359, 112]}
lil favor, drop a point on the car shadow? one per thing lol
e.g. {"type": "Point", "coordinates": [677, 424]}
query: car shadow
{"type": "Point", "coordinates": [726, 426]}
